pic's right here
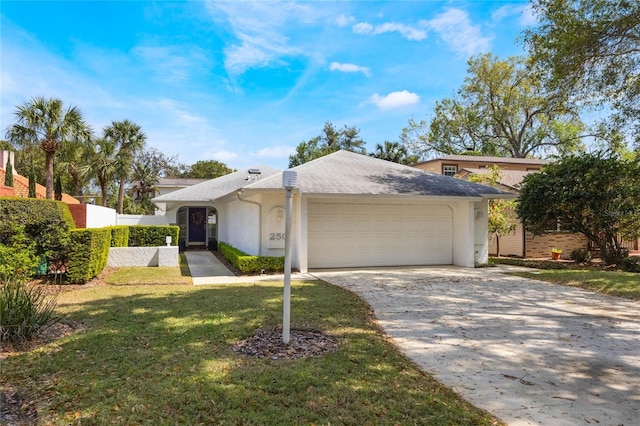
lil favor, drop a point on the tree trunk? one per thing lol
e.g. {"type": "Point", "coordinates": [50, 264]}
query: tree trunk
{"type": "Point", "coordinates": [49, 174]}
{"type": "Point", "coordinates": [497, 245]}
{"type": "Point", "coordinates": [121, 195]}
{"type": "Point", "coordinates": [103, 190]}
{"type": "Point", "coordinates": [76, 181]}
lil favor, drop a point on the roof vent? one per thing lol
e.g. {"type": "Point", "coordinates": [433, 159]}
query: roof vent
{"type": "Point", "coordinates": [254, 174]}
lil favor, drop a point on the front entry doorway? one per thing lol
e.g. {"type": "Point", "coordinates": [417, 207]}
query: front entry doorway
{"type": "Point", "coordinates": [198, 225]}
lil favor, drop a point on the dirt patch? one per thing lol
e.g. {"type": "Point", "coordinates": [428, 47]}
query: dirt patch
{"type": "Point", "coordinates": [14, 410]}
{"type": "Point", "coordinates": [267, 343]}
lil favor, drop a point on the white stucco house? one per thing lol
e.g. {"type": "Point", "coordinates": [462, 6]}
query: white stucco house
{"type": "Point", "coordinates": [349, 210]}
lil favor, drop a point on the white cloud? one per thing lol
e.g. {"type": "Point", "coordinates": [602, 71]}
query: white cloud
{"type": "Point", "coordinates": [363, 28]}
{"type": "Point", "coordinates": [343, 20]}
{"type": "Point", "coordinates": [260, 28]}
{"type": "Point", "coordinates": [457, 31]}
{"type": "Point", "coordinates": [408, 32]}
{"type": "Point", "coordinates": [221, 155]}
{"type": "Point", "coordinates": [528, 17]}
{"type": "Point", "coordinates": [336, 66]}
{"type": "Point", "coordinates": [172, 63]}
{"type": "Point", "coordinates": [276, 152]}
{"type": "Point", "coordinates": [525, 13]}
{"type": "Point", "coordinates": [394, 100]}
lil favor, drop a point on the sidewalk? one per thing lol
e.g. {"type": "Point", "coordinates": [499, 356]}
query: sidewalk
{"type": "Point", "coordinates": [207, 269]}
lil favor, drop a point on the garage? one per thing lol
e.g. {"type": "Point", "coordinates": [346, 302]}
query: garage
{"type": "Point", "coordinates": [367, 234]}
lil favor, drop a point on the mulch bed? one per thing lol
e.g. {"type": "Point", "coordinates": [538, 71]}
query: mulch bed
{"type": "Point", "coordinates": [267, 343]}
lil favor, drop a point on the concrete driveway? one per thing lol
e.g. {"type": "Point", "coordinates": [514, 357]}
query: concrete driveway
{"type": "Point", "coordinates": [526, 351]}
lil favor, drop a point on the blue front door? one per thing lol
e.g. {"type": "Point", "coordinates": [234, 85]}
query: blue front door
{"type": "Point", "coordinates": [197, 225]}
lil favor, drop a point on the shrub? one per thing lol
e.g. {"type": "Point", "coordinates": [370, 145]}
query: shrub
{"type": "Point", "coordinates": [580, 255]}
{"type": "Point", "coordinates": [45, 222]}
{"type": "Point", "coordinates": [17, 263]}
{"type": "Point", "coordinates": [248, 263]}
{"type": "Point", "coordinates": [152, 235]}
{"type": "Point", "coordinates": [119, 236]}
{"type": "Point", "coordinates": [631, 264]}
{"type": "Point", "coordinates": [17, 254]}
{"type": "Point", "coordinates": [24, 310]}
{"type": "Point", "coordinates": [88, 253]}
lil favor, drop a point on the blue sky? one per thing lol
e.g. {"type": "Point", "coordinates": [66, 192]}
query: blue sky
{"type": "Point", "coordinates": [245, 82]}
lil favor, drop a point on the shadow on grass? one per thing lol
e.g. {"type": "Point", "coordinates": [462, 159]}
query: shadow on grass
{"type": "Point", "coordinates": [164, 355]}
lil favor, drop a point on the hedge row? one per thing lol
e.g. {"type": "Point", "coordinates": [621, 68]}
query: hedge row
{"type": "Point", "coordinates": [152, 235]}
{"type": "Point", "coordinates": [119, 235]}
{"type": "Point", "coordinates": [88, 253]}
{"type": "Point", "coordinates": [248, 263]}
{"type": "Point", "coordinates": [46, 223]}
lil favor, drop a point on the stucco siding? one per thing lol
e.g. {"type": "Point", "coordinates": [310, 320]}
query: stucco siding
{"type": "Point", "coordinates": [243, 224]}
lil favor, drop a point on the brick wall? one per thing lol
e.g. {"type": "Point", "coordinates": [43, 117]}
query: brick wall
{"type": "Point", "coordinates": [6, 191]}
{"type": "Point", "coordinates": [79, 213]}
{"type": "Point", "coordinates": [541, 245]}
{"type": "Point", "coordinates": [21, 188]}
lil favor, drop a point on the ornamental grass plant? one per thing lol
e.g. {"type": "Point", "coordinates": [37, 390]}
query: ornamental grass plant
{"type": "Point", "coordinates": [25, 309]}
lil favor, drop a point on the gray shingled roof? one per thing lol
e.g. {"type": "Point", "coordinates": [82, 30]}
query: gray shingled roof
{"type": "Point", "coordinates": [179, 182]}
{"type": "Point", "coordinates": [345, 172]}
{"type": "Point", "coordinates": [216, 188]}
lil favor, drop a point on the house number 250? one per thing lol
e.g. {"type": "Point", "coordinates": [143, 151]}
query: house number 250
{"type": "Point", "coordinates": [274, 236]}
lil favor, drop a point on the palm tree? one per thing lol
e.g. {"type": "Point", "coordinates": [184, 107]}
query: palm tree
{"type": "Point", "coordinates": [103, 164]}
{"type": "Point", "coordinates": [146, 179]}
{"type": "Point", "coordinates": [45, 122]}
{"type": "Point", "coordinates": [130, 140]}
{"type": "Point", "coordinates": [73, 157]}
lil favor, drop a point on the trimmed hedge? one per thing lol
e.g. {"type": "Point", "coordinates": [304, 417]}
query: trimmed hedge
{"type": "Point", "coordinates": [88, 253]}
{"type": "Point", "coordinates": [248, 263]}
{"type": "Point", "coordinates": [119, 236]}
{"type": "Point", "coordinates": [46, 222]}
{"type": "Point", "coordinates": [152, 235]}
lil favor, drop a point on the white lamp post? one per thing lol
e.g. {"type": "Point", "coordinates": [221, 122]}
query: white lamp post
{"type": "Point", "coordinates": [289, 182]}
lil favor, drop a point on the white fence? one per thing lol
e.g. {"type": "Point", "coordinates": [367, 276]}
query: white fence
{"type": "Point", "coordinates": [139, 219]}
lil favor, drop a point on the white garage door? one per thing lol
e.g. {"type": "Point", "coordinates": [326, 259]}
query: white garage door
{"type": "Point", "coordinates": [348, 235]}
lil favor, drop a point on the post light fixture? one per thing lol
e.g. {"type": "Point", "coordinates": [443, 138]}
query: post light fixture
{"type": "Point", "coordinates": [289, 182]}
{"type": "Point", "coordinates": [168, 240]}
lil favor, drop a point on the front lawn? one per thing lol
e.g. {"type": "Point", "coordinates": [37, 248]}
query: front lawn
{"type": "Point", "coordinates": [624, 284]}
{"type": "Point", "coordinates": [162, 354]}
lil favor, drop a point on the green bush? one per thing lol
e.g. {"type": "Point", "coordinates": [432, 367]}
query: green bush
{"type": "Point", "coordinates": [248, 263]}
{"type": "Point", "coordinates": [152, 235]}
{"type": "Point", "coordinates": [45, 222]}
{"type": "Point", "coordinates": [580, 255]}
{"type": "Point", "coordinates": [17, 263]}
{"type": "Point", "coordinates": [17, 254]}
{"type": "Point", "coordinates": [119, 236]}
{"type": "Point", "coordinates": [24, 310]}
{"type": "Point", "coordinates": [631, 264]}
{"type": "Point", "coordinates": [88, 253]}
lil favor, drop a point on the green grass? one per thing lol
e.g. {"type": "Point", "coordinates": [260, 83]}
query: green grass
{"type": "Point", "coordinates": [152, 275]}
{"type": "Point", "coordinates": [163, 355]}
{"type": "Point", "coordinates": [624, 284]}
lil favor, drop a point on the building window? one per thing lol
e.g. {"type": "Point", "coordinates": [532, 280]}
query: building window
{"type": "Point", "coordinates": [449, 170]}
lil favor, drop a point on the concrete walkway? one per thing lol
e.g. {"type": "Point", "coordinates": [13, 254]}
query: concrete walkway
{"type": "Point", "coordinates": [207, 269]}
{"type": "Point", "coordinates": [530, 353]}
